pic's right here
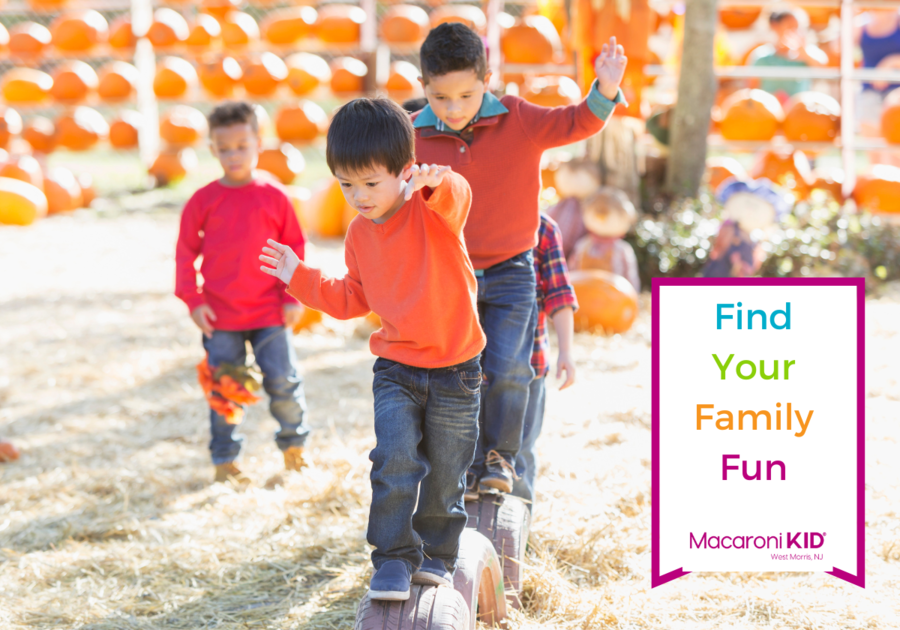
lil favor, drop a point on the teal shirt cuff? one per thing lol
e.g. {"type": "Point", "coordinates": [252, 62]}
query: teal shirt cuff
{"type": "Point", "coordinates": [601, 106]}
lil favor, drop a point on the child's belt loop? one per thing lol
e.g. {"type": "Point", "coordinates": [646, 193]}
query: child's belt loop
{"type": "Point", "coordinates": [479, 273]}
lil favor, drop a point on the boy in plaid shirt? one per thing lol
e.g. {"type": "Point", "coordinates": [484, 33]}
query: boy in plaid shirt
{"type": "Point", "coordinates": [556, 298]}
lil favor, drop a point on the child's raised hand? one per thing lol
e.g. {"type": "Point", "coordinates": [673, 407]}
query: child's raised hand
{"type": "Point", "coordinates": [565, 364]}
{"type": "Point", "coordinates": [610, 68]}
{"type": "Point", "coordinates": [204, 316]}
{"type": "Point", "coordinates": [282, 261]}
{"type": "Point", "coordinates": [430, 175]}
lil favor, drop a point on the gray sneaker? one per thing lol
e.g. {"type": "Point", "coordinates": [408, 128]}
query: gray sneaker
{"type": "Point", "coordinates": [432, 573]}
{"type": "Point", "coordinates": [499, 472]}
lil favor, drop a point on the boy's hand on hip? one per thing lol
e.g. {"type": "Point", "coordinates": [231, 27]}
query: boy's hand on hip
{"type": "Point", "coordinates": [292, 314]}
{"type": "Point", "coordinates": [565, 364]}
{"type": "Point", "coordinates": [203, 316]}
{"type": "Point", "coordinates": [610, 68]}
{"type": "Point", "coordinates": [430, 175]}
{"type": "Point", "coordinates": [281, 260]}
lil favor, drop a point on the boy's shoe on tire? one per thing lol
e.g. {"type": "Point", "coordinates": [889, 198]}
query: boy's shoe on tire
{"type": "Point", "coordinates": [433, 573]}
{"type": "Point", "coordinates": [293, 458]}
{"type": "Point", "coordinates": [499, 473]}
{"type": "Point", "coordinates": [471, 493]}
{"type": "Point", "coordinates": [390, 582]}
{"type": "Point", "coordinates": [230, 472]}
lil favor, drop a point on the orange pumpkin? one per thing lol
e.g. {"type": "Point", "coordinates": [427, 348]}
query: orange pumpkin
{"type": "Point", "coordinates": [831, 180]}
{"type": "Point", "coordinates": [306, 72]}
{"type": "Point", "coordinates": [286, 26]}
{"type": "Point", "coordinates": [404, 24]}
{"type": "Point", "coordinates": [24, 168]}
{"type": "Point", "coordinates": [467, 14]}
{"type": "Point", "coordinates": [168, 28]}
{"type": "Point", "coordinates": [812, 117]}
{"type": "Point", "coordinates": [172, 165]}
{"type": "Point", "coordinates": [220, 75]}
{"type": "Point", "coordinates": [88, 194]}
{"type": "Point", "coordinates": [205, 31]}
{"type": "Point", "coordinates": [718, 169]}
{"type": "Point", "coordinates": [299, 197]}
{"type": "Point", "coordinates": [238, 30]}
{"type": "Point", "coordinates": [10, 125]}
{"type": "Point", "coordinates": [264, 73]}
{"type": "Point", "coordinates": [62, 190]}
{"type": "Point", "coordinates": [607, 302]}
{"type": "Point", "coordinates": [756, 52]}
{"type": "Point", "coordinates": [339, 23]}
{"type": "Point", "coordinates": [8, 452]}
{"type": "Point", "coordinates": [348, 75]}
{"type": "Point", "coordinates": [533, 40]}
{"type": "Point", "coordinates": [183, 126]}
{"type": "Point", "coordinates": [40, 134]}
{"type": "Point", "coordinates": [220, 8]}
{"type": "Point", "coordinates": [750, 115]}
{"type": "Point", "coordinates": [890, 117]}
{"type": "Point", "coordinates": [48, 5]}
{"type": "Point", "coordinates": [284, 162]}
{"type": "Point", "coordinates": [820, 17]}
{"type": "Point", "coordinates": [124, 130]}
{"type": "Point", "coordinates": [738, 17]}
{"type": "Point", "coordinates": [20, 204]}
{"type": "Point", "coordinates": [328, 212]}
{"type": "Point", "coordinates": [878, 190]}
{"type": "Point", "coordinates": [121, 35]}
{"type": "Point", "coordinates": [26, 85]}
{"type": "Point", "coordinates": [28, 40]}
{"type": "Point", "coordinates": [81, 129]}
{"type": "Point", "coordinates": [73, 81]}
{"type": "Point", "coordinates": [403, 81]}
{"type": "Point", "coordinates": [307, 319]}
{"type": "Point", "coordinates": [302, 122]}
{"type": "Point", "coordinates": [790, 170]}
{"type": "Point", "coordinates": [552, 91]}
{"type": "Point", "coordinates": [174, 78]}
{"type": "Point", "coordinates": [79, 31]}
{"type": "Point", "coordinates": [118, 81]}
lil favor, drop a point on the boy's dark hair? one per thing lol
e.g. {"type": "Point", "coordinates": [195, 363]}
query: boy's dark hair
{"type": "Point", "coordinates": [776, 17]}
{"type": "Point", "coordinates": [413, 105]}
{"type": "Point", "coordinates": [233, 113]}
{"type": "Point", "coordinates": [368, 132]}
{"type": "Point", "coordinates": [452, 47]}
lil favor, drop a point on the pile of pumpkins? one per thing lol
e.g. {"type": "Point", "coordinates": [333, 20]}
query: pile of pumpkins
{"type": "Point", "coordinates": [28, 191]}
{"type": "Point", "coordinates": [737, 17]}
{"type": "Point", "coordinates": [756, 115]}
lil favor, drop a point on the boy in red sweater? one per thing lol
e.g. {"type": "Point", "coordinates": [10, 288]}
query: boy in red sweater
{"type": "Point", "coordinates": [407, 262]}
{"type": "Point", "coordinates": [497, 145]}
{"type": "Point", "coordinates": [223, 222]}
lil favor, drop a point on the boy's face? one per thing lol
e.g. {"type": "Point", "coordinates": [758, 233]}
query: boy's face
{"type": "Point", "coordinates": [786, 29]}
{"type": "Point", "coordinates": [237, 149]}
{"type": "Point", "coordinates": [375, 192]}
{"type": "Point", "coordinates": [456, 97]}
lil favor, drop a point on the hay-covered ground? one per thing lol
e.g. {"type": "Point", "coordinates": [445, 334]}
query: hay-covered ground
{"type": "Point", "coordinates": [109, 519]}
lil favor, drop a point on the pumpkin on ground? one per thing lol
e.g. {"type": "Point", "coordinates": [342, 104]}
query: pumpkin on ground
{"type": "Point", "coordinates": [62, 190]}
{"type": "Point", "coordinates": [404, 24]}
{"type": "Point", "coordinates": [284, 162]}
{"type": "Point", "coordinates": [287, 26]}
{"type": "Point", "coordinates": [40, 134]}
{"type": "Point", "coordinates": [73, 81]}
{"type": "Point", "coordinates": [168, 28]}
{"type": "Point", "coordinates": [300, 122]}
{"type": "Point", "coordinates": [81, 129]}
{"type": "Point", "coordinates": [739, 17]}
{"type": "Point", "coordinates": [264, 73]}
{"type": "Point", "coordinates": [831, 180]}
{"type": "Point", "coordinates": [26, 85]}
{"type": "Point", "coordinates": [552, 91]}
{"type": "Point", "coordinates": [403, 81]}
{"type": "Point", "coordinates": [718, 169]}
{"type": "Point", "coordinates": [812, 117]}
{"type": "Point", "coordinates": [79, 31]}
{"type": "Point", "coordinates": [204, 32]}
{"type": "Point", "coordinates": [21, 203]}
{"type": "Point", "coordinates": [121, 35]}
{"type": "Point", "coordinates": [239, 30]}
{"type": "Point", "coordinates": [534, 40]}
{"type": "Point", "coordinates": [890, 117]}
{"type": "Point", "coordinates": [309, 317]}
{"type": "Point", "coordinates": [172, 165]}
{"type": "Point", "coordinates": [183, 126]}
{"type": "Point", "coordinates": [125, 129]}
{"type": "Point", "coordinates": [750, 115]}
{"type": "Point", "coordinates": [467, 14]}
{"type": "Point", "coordinates": [174, 78]}
{"type": "Point", "coordinates": [118, 81]}
{"type": "Point", "coordinates": [339, 23]}
{"type": "Point", "coordinates": [789, 170]}
{"type": "Point", "coordinates": [606, 302]}
{"type": "Point", "coordinates": [306, 72]}
{"type": "Point", "coordinates": [219, 75]}
{"type": "Point", "coordinates": [327, 212]}
{"type": "Point", "coordinates": [23, 168]}
{"type": "Point", "coordinates": [299, 197]}
{"type": "Point", "coordinates": [10, 125]}
{"type": "Point", "coordinates": [28, 40]}
{"type": "Point", "coordinates": [88, 194]}
{"type": "Point", "coordinates": [348, 75]}
{"type": "Point", "coordinates": [878, 190]}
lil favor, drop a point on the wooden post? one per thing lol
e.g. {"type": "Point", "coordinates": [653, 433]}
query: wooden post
{"type": "Point", "coordinates": [145, 62]}
{"type": "Point", "coordinates": [493, 40]}
{"type": "Point", "coordinates": [368, 42]}
{"type": "Point", "coordinates": [848, 119]}
{"type": "Point", "coordinates": [696, 95]}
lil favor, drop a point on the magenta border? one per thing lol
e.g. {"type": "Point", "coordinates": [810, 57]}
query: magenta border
{"type": "Point", "coordinates": [859, 578]}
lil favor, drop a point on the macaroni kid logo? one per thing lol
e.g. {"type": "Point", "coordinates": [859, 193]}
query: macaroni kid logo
{"type": "Point", "coordinates": [795, 540]}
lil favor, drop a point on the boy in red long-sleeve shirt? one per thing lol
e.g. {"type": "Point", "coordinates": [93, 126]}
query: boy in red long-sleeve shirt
{"type": "Point", "coordinates": [224, 222]}
{"type": "Point", "coordinates": [496, 144]}
{"type": "Point", "coordinates": [407, 262]}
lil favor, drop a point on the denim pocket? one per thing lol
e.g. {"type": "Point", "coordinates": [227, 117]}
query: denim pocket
{"type": "Point", "coordinates": [469, 382]}
{"type": "Point", "coordinates": [382, 366]}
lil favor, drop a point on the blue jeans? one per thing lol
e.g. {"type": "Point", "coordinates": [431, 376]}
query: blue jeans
{"type": "Point", "coordinates": [276, 358]}
{"type": "Point", "coordinates": [507, 308]}
{"type": "Point", "coordinates": [426, 422]}
{"type": "Point", "coordinates": [526, 462]}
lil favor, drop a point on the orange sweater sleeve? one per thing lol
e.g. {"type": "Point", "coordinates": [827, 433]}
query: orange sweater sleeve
{"type": "Point", "coordinates": [451, 199]}
{"type": "Point", "coordinates": [342, 298]}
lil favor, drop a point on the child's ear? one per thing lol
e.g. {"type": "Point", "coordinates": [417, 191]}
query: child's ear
{"type": "Point", "coordinates": [487, 82]}
{"type": "Point", "coordinates": [407, 170]}
{"type": "Point", "coordinates": [422, 82]}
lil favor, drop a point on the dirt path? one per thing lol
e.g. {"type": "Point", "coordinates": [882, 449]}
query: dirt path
{"type": "Point", "coordinates": [109, 520]}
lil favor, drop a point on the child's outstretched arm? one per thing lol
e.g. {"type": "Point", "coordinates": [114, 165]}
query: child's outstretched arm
{"type": "Point", "coordinates": [341, 298]}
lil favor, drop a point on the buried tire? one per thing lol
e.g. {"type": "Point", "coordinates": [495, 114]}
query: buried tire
{"type": "Point", "coordinates": [504, 520]}
{"type": "Point", "coordinates": [428, 608]}
{"type": "Point", "coordinates": [479, 578]}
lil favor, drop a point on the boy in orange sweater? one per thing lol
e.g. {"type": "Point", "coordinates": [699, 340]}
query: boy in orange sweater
{"type": "Point", "coordinates": [496, 144]}
{"type": "Point", "coordinates": [407, 262]}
